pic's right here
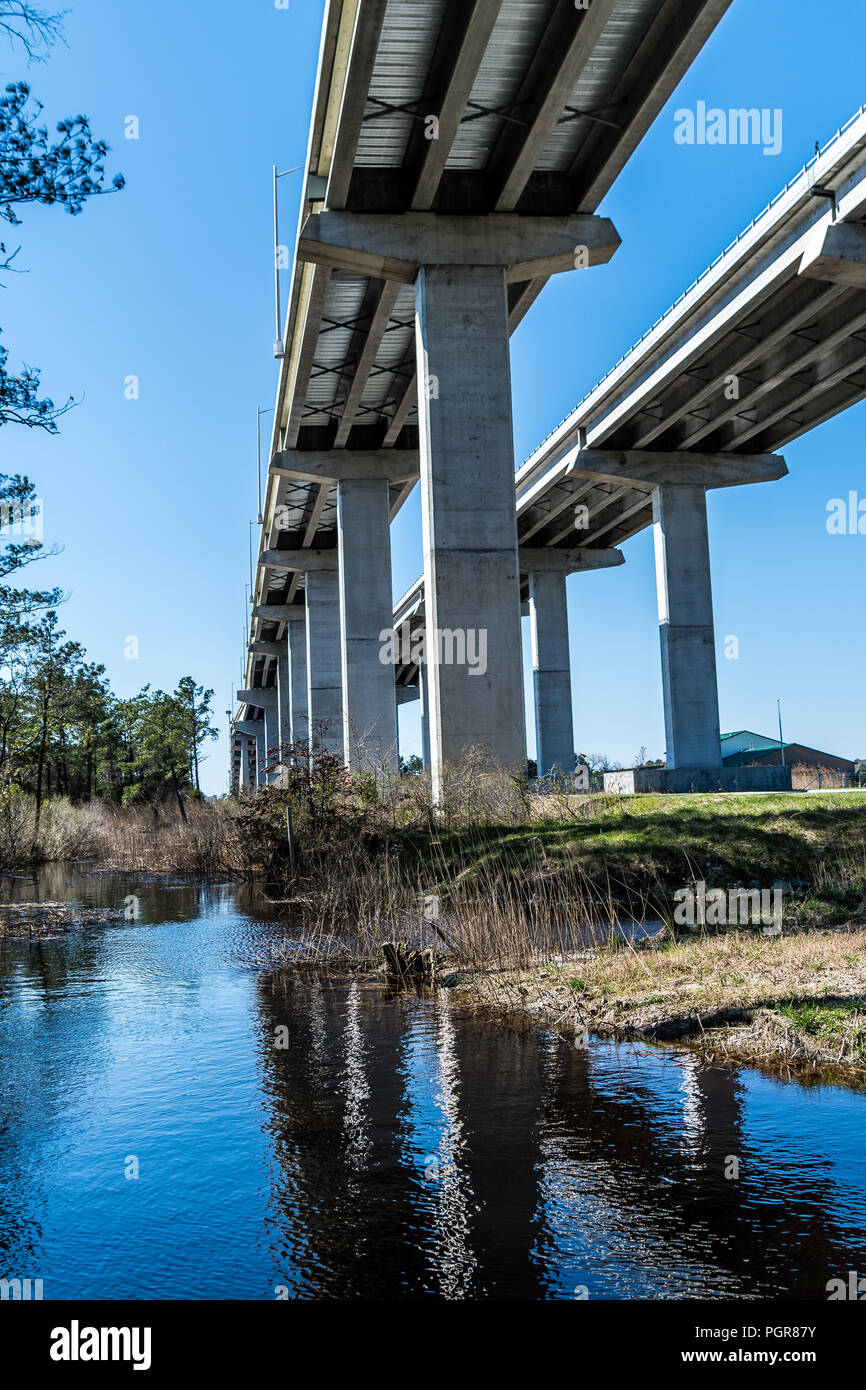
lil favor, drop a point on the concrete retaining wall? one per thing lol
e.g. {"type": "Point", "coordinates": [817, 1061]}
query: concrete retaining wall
{"type": "Point", "coordinates": [698, 779]}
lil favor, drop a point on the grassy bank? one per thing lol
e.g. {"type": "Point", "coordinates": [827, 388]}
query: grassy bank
{"type": "Point", "coordinates": [529, 902]}
{"type": "Point", "coordinates": [796, 1000]}
{"type": "Point", "coordinates": [638, 851]}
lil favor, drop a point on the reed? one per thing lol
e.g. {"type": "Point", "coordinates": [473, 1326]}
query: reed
{"type": "Point", "coordinates": [148, 839]}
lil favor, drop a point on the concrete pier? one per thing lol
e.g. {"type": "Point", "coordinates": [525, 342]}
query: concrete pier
{"type": "Point", "coordinates": [551, 673]}
{"type": "Point", "coordinates": [469, 518]}
{"type": "Point", "coordinates": [261, 755]}
{"type": "Point", "coordinates": [272, 741]}
{"type": "Point", "coordinates": [298, 696]}
{"type": "Point", "coordinates": [366, 608]}
{"type": "Point", "coordinates": [284, 697]}
{"type": "Point", "coordinates": [324, 662]}
{"type": "Point", "coordinates": [244, 779]}
{"type": "Point", "coordinates": [685, 604]}
{"type": "Point", "coordinates": [425, 717]}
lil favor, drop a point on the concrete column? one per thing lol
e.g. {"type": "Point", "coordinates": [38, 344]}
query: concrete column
{"type": "Point", "coordinates": [551, 673]}
{"type": "Point", "coordinates": [284, 697]}
{"type": "Point", "coordinates": [366, 610]}
{"type": "Point", "coordinates": [261, 755]}
{"type": "Point", "coordinates": [472, 598]}
{"type": "Point", "coordinates": [688, 651]}
{"type": "Point", "coordinates": [272, 739]}
{"type": "Point", "coordinates": [324, 664]}
{"type": "Point", "coordinates": [245, 764]}
{"type": "Point", "coordinates": [425, 716]}
{"type": "Point", "coordinates": [297, 631]}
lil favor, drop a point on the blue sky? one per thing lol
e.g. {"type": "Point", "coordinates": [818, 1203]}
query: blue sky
{"type": "Point", "coordinates": [171, 281]}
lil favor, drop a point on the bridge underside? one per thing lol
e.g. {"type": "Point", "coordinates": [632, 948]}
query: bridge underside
{"type": "Point", "coordinates": [467, 109]}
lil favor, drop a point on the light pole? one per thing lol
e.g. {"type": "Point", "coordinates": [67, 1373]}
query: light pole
{"type": "Point", "coordinates": [781, 740]}
{"type": "Point", "coordinates": [278, 337]}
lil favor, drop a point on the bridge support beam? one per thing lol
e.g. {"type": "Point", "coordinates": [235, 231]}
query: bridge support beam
{"type": "Point", "coordinates": [284, 704]}
{"type": "Point", "coordinates": [366, 611]}
{"type": "Point", "coordinates": [551, 673]}
{"type": "Point", "coordinates": [299, 731]}
{"type": "Point", "coordinates": [324, 674]}
{"type": "Point", "coordinates": [685, 602]}
{"type": "Point", "coordinates": [244, 774]}
{"type": "Point", "coordinates": [551, 667]}
{"type": "Point", "coordinates": [469, 517]}
{"type": "Point", "coordinates": [261, 755]}
{"type": "Point", "coordinates": [272, 741]}
{"type": "Point", "coordinates": [425, 716]}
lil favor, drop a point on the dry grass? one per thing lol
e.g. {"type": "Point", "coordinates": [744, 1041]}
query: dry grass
{"type": "Point", "coordinates": [801, 997]}
{"type": "Point", "coordinates": [147, 839]}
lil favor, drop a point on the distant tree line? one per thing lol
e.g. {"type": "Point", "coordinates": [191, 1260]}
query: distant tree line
{"type": "Point", "coordinates": [62, 730]}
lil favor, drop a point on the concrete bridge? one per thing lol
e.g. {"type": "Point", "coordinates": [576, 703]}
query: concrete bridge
{"type": "Point", "coordinates": [455, 163]}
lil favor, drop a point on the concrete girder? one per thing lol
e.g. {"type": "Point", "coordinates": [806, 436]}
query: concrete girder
{"type": "Point", "coordinates": [560, 498]}
{"type": "Point", "coordinates": [259, 699]}
{"type": "Point", "coordinates": [680, 32]}
{"type": "Point", "coordinates": [395, 248]}
{"type": "Point", "coordinates": [632, 509]}
{"type": "Point", "coordinates": [267, 648]}
{"type": "Point", "coordinates": [339, 465]}
{"type": "Point", "coordinates": [247, 726]}
{"type": "Point", "coordinates": [363, 29]}
{"type": "Point", "coordinates": [405, 489]}
{"type": "Point", "coordinates": [837, 253]}
{"type": "Point", "coordinates": [278, 612]}
{"type": "Point", "coordinates": [313, 292]}
{"type": "Point", "coordinates": [596, 503]}
{"type": "Point", "coordinates": [543, 560]}
{"type": "Point", "coordinates": [315, 516]}
{"type": "Point", "coordinates": [564, 69]}
{"type": "Point", "coordinates": [376, 332]}
{"type": "Point", "coordinates": [524, 300]}
{"type": "Point", "coordinates": [777, 326]}
{"type": "Point", "coordinates": [646, 469]}
{"type": "Point", "coordinates": [835, 367]}
{"type": "Point", "coordinates": [481, 17]}
{"type": "Point", "coordinates": [787, 364]}
{"type": "Point", "coordinates": [300, 559]}
{"type": "Point", "coordinates": [405, 405]}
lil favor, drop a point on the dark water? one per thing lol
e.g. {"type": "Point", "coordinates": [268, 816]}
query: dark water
{"type": "Point", "coordinates": [392, 1147]}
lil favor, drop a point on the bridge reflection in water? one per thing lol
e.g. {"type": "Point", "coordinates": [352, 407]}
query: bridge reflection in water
{"type": "Point", "coordinates": [396, 1146]}
{"type": "Point", "coordinates": [424, 1151]}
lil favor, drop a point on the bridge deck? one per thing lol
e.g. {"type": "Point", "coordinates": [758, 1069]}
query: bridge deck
{"type": "Point", "coordinates": [795, 344]}
{"type": "Point", "coordinates": [539, 105]}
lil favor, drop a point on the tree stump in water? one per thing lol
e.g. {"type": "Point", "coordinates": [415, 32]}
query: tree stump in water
{"type": "Point", "coordinates": [401, 959]}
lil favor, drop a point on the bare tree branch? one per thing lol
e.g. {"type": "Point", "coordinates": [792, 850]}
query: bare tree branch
{"type": "Point", "coordinates": [34, 30]}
